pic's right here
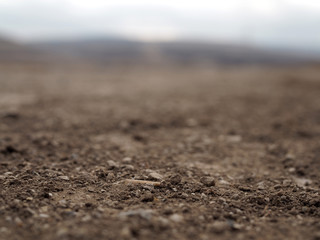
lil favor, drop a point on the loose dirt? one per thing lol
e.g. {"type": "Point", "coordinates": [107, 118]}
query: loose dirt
{"type": "Point", "coordinates": [159, 152]}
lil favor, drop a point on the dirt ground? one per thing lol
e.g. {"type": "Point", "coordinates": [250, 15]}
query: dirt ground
{"type": "Point", "coordinates": [228, 152]}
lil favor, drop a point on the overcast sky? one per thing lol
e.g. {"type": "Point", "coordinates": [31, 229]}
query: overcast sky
{"type": "Point", "coordinates": [289, 23]}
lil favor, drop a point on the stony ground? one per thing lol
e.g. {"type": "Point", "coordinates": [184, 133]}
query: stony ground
{"type": "Point", "coordinates": [224, 152]}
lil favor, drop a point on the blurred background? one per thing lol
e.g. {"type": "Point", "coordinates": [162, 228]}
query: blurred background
{"type": "Point", "coordinates": [96, 92]}
{"type": "Point", "coordinates": [96, 31]}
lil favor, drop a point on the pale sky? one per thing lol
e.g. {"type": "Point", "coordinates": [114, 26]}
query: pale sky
{"type": "Point", "coordinates": [289, 23]}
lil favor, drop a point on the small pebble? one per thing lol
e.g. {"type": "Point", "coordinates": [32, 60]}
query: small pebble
{"type": "Point", "coordinates": [244, 188]}
{"type": "Point", "coordinates": [125, 233]}
{"type": "Point", "coordinates": [191, 122]}
{"type": "Point", "coordinates": [176, 218]}
{"type": "Point", "coordinates": [63, 203]}
{"type": "Point", "coordinates": [127, 160]}
{"type": "Point", "coordinates": [277, 186]}
{"type": "Point", "coordinates": [286, 182]}
{"type": "Point", "coordinates": [290, 156]}
{"type": "Point", "coordinates": [47, 195]}
{"type": "Point", "coordinates": [66, 178]}
{"type": "Point", "coordinates": [86, 218]}
{"type": "Point", "coordinates": [224, 182]}
{"type": "Point", "coordinates": [175, 179]}
{"type": "Point", "coordinates": [18, 221]}
{"type": "Point", "coordinates": [219, 227]}
{"type": "Point", "coordinates": [291, 170]}
{"type": "Point", "coordinates": [208, 181]}
{"type": "Point", "coordinates": [112, 164]}
{"type": "Point", "coordinates": [155, 176]}
{"type": "Point", "coordinates": [232, 138]}
{"type": "Point", "coordinates": [110, 176]}
{"type": "Point", "coordinates": [129, 167]}
{"type": "Point", "coordinates": [261, 186]}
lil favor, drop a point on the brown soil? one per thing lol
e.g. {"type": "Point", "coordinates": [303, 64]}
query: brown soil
{"type": "Point", "coordinates": [231, 153]}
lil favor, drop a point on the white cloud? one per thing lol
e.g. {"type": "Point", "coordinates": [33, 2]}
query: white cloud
{"type": "Point", "coordinates": [291, 22]}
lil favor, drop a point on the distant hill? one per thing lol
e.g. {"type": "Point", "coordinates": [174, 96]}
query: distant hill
{"type": "Point", "coordinates": [96, 50]}
{"type": "Point", "coordinates": [115, 50]}
{"type": "Point", "coordinates": [5, 43]}
{"type": "Point", "coordinates": [11, 51]}
{"type": "Point", "coordinates": [229, 53]}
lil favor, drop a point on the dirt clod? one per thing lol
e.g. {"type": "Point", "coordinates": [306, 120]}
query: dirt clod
{"type": "Point", "coordinates": [175, 179]}
{"type": "Point", "coordinates": [147, 197]}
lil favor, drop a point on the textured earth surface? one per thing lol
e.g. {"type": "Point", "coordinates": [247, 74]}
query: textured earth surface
{"type": "Point", "coordinates": [224, 152]}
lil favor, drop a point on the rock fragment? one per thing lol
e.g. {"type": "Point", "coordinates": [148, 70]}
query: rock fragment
{"type": "Point", "coordinates": [112, 164]}
{"type": "Point", "coordinates": [66, 178]}
{"type": "Point", "coordinates": [219, 227]}
{"type": "Point", "coordinates": [261, 186]}
{"type": "Point", "coordinates": [208, 181]}
{"type": "Point", "coordinates": [127, 160]}
{"type": "Point", "coordinates": [176, 218]}
{"type": "Point", "coordinates": [129, 167]}
{"type": "Point", "coordinates": [155, 176]}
